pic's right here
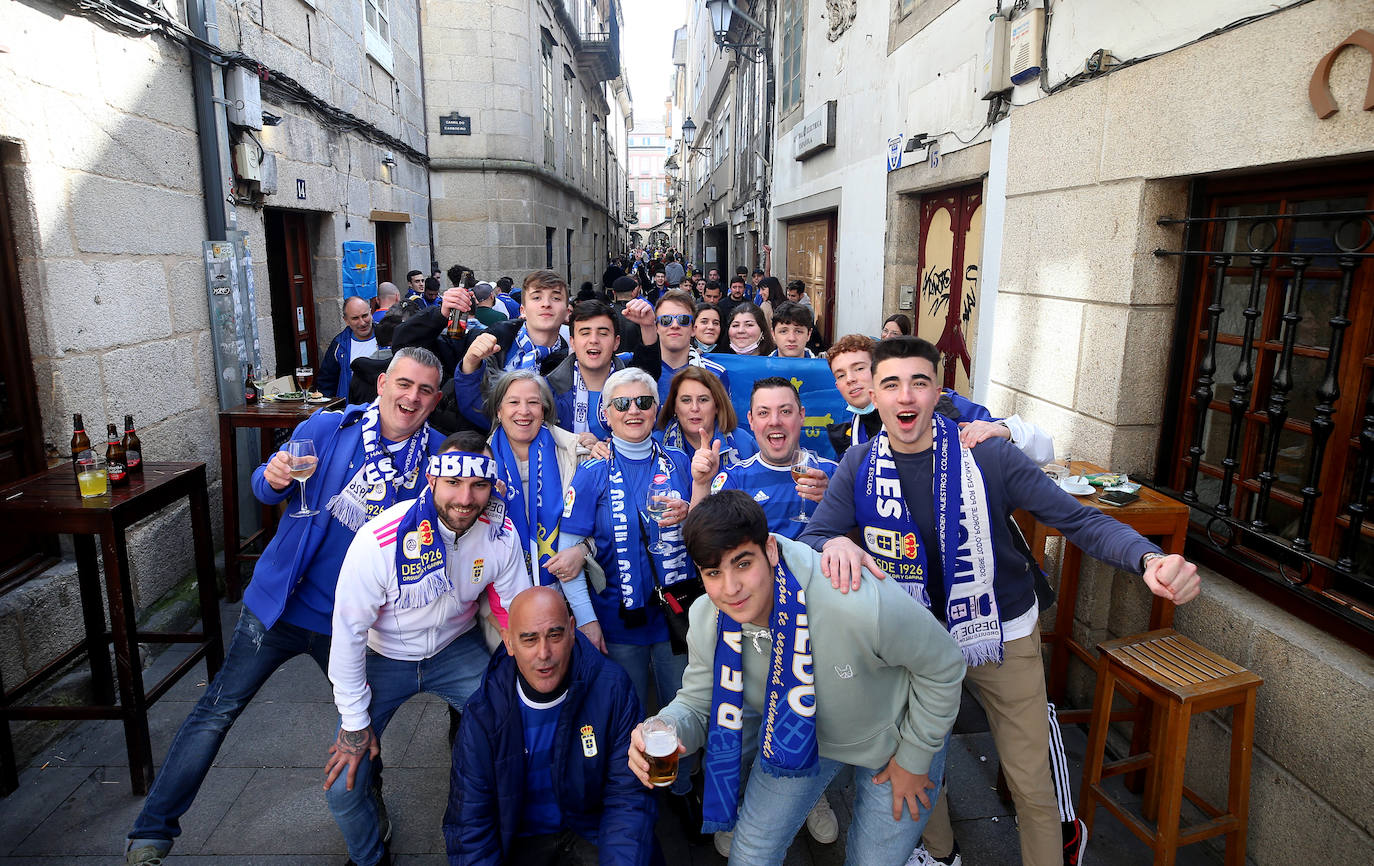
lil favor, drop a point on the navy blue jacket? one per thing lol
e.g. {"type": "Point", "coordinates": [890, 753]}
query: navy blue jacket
{"type": "Point", "coordinates": [600, 799]}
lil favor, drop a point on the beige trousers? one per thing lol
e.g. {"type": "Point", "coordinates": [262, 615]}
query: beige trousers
{"type": "Point", "coordinates": [1013, 695]}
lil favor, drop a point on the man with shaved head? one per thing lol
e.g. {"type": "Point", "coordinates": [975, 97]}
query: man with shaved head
{"type": "Point", "coordinates": [535, 777]}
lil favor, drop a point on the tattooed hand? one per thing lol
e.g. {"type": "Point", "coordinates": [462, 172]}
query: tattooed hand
{"type": "Point", "coordinates": [347, 752]}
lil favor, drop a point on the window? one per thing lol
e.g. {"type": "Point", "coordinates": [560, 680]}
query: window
{"type": "Point", "coordinates": [586, 139]}
{"type": "Point", "coordinates": [646, 193]}
{"type": "Point", "coordinates": [377, 31]}
{"type": "Point", "coordinates": [569, 147]}
{"type": "Point", "coordinates": [904, 7]}
{"type": "Point", "coordinates": [1258, 440]}
{"type": "Point", "coordinates": [721, 148]}
{"type": "Point", "coordinates": [793, 33]}
{"type": "Point", "coordinates": [546, 85]}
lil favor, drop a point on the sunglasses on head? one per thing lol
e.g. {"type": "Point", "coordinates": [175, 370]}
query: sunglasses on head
{"type": "Point", "coordinates": [682, 319]}
{"type": "Point", "coordinates": [645, 401]}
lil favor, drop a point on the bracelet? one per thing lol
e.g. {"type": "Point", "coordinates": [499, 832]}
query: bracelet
{"type": "Point", "coordinates": [1147, 559]}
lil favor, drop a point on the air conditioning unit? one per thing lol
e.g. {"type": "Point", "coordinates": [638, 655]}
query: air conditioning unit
{"type": "Point", "coordinates": [1027, 36]}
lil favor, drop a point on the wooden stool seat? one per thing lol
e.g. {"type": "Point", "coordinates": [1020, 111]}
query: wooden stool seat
{"type": "Point", "coordinates": [1175, 678]}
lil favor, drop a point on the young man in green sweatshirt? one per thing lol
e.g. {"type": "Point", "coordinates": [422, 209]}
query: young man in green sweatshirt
{"type": "Point", "coordinates": [819, 680]}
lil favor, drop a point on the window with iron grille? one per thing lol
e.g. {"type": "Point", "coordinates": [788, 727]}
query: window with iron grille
{"type": "Point", "coordinates": [1273, 444]}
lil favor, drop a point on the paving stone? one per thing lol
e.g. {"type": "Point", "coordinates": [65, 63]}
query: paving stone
{"type": "Point", "coordinates": [280, 734]}
{"type": "Point", "coordinates": [40, 793]}
{"type": "Point", "coordinates": [282, 811]}
{"type": "Point", "coordinates": [101, 743]}
{"type": "Point", "coordinates": [416, 799]}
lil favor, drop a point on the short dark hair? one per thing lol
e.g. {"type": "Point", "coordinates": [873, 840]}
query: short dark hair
{"type": "Point", "coordinates": [504, 284]}
{"type": "Point", "coordinates": [902, 321]}
{"type": "Point", "coordinates": [432, 284]}
{"type": "Point", "coordinates": [593, 309]}
{"type": "Point", "coordinates": [410, 274]}
{"type": "Point", "coordinates": [455, 274]}
{"type": "Point", "coordinates": [742, 270]}
{"type": "Point", "coordinates": [773, 382]}
{"type": "Point", "coordinates": [703, 306]}
{"type": "Point", "coordinates": [738, 278]}
{"type": "Point", "coordinates": [789, 313]}
{"type": "Point", "coordinates": [386, 326]}
{"type": "Point", "coordinates": [679, 297]}
{"type": "Point", "coordinates": [466, 440]}
{"type": "Point", "coordinates": [722, 522]}
{"type": "Point", "coordinates": [905, 347]}
{"type": "Point", "coordinates": [712, 285]}
{"type": "Point", "coordinates": [796, 286]}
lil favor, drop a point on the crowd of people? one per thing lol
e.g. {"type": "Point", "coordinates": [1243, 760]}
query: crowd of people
{"type": "Point", "coordinates": [546, 510]}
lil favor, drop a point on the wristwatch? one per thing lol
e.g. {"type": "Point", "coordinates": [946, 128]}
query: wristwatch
{"type": "Point", "coordinates": [1147, 558]}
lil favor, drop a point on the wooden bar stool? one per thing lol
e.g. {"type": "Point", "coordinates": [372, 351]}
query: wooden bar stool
{"type": "Point", "coordinates": [1175, 679]}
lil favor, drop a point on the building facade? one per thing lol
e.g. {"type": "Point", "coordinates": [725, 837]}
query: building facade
{"type": "Point", "coordinates": [648, 188]}
{"type": "Point", "coordinates": [535, 175]}
{"type": "Point", "coordinates": [1159, 258]}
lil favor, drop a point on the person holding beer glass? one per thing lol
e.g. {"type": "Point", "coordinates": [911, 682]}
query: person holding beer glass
{"type": "Point", "coordinates": [818, 679]}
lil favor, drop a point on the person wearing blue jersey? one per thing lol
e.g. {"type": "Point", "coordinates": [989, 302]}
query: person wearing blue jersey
{"type": "Point", "coordinates": [676, 311]}
{"type": "Point", "coordinates": [698, 411]}
{"type": "Point", "coordinates": [369, 458]}
{"type": "Point", "coordinates": [775, 416]}
{"type": "Point", "coordinates": [577, 382]}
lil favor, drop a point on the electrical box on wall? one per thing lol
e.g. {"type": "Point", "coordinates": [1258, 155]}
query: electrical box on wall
{"type": "Point", "coordinates": [243, 92]}
{"type": "Point", "coordinates": [993, 79]}
{"type": "Point", "coordinates": [1023, 56]}
{"type": "Point", "coordinates": [246, 163]}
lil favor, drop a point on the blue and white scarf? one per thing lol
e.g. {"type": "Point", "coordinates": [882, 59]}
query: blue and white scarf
{"type": "Point", "coordinates": [858, 434]}
{"type": "Point", "coordinates": [582, 402]}
{"type": "Point", "coordinates": [672, 566]}
{"type": "Point", "coordinates": [525, 355]}
{"type": "Point", "coordinates": [421, 572]}
{"type": "Point", "coordinates": [374, 486]}
{"type": "Point", "coordinates": [536, 521]}
{"type": "Point", "coordinates": [965, 542]}
{"type": "Point", "coordinates": [787, 741]}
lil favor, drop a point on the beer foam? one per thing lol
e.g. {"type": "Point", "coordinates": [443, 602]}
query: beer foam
{"type": "Point", "coordinates": [660, 744]}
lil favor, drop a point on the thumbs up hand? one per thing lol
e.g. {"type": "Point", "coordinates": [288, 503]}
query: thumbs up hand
{"type": "Point", "coordinates": [706, 462]}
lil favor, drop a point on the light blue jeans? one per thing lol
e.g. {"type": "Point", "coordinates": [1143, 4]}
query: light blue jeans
{"type": "Point", "coordinates": [453, 674]}
{"type": "Point", "coordinates": [775, 808]}
{"type": "Point", "coordinates": [637, 661]}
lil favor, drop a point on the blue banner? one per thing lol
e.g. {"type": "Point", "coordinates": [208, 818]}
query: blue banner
{"type": "Point", "coordinates": [359, 269]}
{"type": "Point", "coordinates": [821, 400]}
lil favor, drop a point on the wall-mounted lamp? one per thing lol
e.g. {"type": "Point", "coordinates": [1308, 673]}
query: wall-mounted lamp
{"type": "Point", "coordinates": [689, 135]}
{"type": "Point", "coordinates": [722, 16]}
{"type": "Point", "coordinates": [389, 160]}
{"type": "Point", "coordinates": [918, 140]}
{"type": "Point", "coordinates": [270, 119]}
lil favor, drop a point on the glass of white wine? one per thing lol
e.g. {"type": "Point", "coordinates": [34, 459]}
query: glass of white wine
{"type": "Point", "coordinates": [303, 461]}
{"type": "Point", "coordinates": [656, 506]}
{"type": "Point", "coordinates": [800, 464]}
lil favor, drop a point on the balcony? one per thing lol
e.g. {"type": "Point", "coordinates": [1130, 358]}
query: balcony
{"type": "Point", "coordinates": [598, 54]}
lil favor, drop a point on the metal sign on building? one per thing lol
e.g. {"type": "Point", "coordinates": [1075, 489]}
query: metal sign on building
{"type": "Point", "coordinates": [815, 133]}
{"type": "Point", "coordinates": [455, 124]}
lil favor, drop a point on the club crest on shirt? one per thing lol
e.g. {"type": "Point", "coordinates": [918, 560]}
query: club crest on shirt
{"type": "Point", "coordinates": [718, 483]}
{"type": "Point", "coordinates": [588, 741]}
{"type": "Point", "coordinates": [426, 532]}
{"type": "Point", "coordinates": [477, 565]}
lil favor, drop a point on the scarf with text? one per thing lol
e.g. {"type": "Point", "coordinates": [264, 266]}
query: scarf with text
{"type": "Point", "coordinates": [625, 532]}
{"type": "Point", "coordinates": [374, 486]}
{"type": "Point", "coordinates": [787, 742]}
{"type": "Point", "coordinates": [536, 521]}
{"type": "Point", "coordinates": [965, 537]}
{"type": "Point", "coordinates": [421, 569]}
{"type": "Point", "coordinates": [525, 355]}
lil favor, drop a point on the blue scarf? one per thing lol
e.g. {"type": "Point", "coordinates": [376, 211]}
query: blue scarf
{"type": "Point", "coordinates": [672, 566]}
{"type": "Point", "coordinates": [421, 575]}
{"type": "Point", "coordinates": [374, 486]}
{"type": "Point", "coordinates": [858, 434]}
{"type": "Point", "coordinates": [787, 743]}
{"type": "Point", "coordinates": [673, 437]}
{"type": "Point", "coordinates": [965, 530]}
{"type": "Point", "coordinates": [525, 355]}
{"type": "Point", "coordinates": [542, 512]}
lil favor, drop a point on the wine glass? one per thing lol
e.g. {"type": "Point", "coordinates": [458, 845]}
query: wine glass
{"type": "Point", "coordinates": [656, 505]}
{"type": "Point", "coordinates": [305, 377]}
{"type": "Point", "coordinates": [801, 463]}
{"type": "Point", "coordinates": [303, 461]}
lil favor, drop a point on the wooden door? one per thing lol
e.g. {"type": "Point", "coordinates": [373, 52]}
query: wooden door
{"type": "Point", "coordinates": [811, 259]}
{"type": "Point", "coordinates": [293, 296]}
{"type": "Point", "coordinates": [383, 240]}
{"type": "Point", "coordinates": [951, 247]}
{"type": "Point", "coordinates": [21, 431]}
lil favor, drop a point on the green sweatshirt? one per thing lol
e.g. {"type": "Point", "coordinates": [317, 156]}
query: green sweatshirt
{"type": "Point", "coordinates": [887, 672]}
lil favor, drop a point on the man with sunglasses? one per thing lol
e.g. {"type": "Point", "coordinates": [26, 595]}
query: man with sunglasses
{"type": "Point", "coordinates": [577, 382]}
{"type": "Point", "coordinates": [676, 315]}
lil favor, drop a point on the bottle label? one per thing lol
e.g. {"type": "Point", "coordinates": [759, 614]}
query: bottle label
{"type": "Point", "coordinates": [133, 459]}
{"type": "Point", "coordinates": [116, 471]}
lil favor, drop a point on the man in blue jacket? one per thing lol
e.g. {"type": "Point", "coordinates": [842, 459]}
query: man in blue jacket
{"type": "Point", "coordinates": [537, 773]}
{"type": "Point", "coordinates": [357, 340]}
{"type": "Point", "coordinates": [370, 457]}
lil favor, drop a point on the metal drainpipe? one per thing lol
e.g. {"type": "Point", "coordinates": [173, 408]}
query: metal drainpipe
{"type": "Point", "coordinates": [424, 115]}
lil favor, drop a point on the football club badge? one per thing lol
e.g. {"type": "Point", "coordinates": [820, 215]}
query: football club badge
{"type": "Point", "coordinates": [588, 741]}
{"type": "Point", "coordinates": [477, 566]}
{"type": "Point", "coordinates": [411, 545]}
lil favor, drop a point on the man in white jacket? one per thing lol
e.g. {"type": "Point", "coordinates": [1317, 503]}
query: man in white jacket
{"type": "Point", "coordinates": [409, 591]}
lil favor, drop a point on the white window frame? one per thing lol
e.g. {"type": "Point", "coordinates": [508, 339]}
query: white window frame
{"type": "Point", "coordinates": [376, 43]}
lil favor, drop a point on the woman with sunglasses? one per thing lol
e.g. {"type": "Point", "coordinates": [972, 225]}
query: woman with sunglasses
{"type": "Point", "coordinates": [606, 502]}
{"type": "Point", "coordinates": [537, 460]}
{"type": "Point", "coordinates": [706, 330]}
{"type": "Point", "coordinates": [747, 332]}
{"type": "Point", "coordinates": [697, 402]}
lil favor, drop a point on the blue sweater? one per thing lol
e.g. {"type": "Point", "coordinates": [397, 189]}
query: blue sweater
{"type": "Point", "coordinates": [598, 796]}
{"type": "Point", "coordinates": [336, 435]}
{"type": "Point", "coordinates": [1012, 481]}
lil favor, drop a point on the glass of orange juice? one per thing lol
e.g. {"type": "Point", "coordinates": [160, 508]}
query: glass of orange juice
{"type": "Point", "coordinates": [91, 476]}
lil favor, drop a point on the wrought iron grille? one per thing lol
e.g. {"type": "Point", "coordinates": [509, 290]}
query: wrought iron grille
{"type": "Point", "coordinates": [1276, 463]}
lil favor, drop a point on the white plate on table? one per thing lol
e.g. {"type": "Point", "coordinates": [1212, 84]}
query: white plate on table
{"type": "Point", "coordinates": [1077, 486]}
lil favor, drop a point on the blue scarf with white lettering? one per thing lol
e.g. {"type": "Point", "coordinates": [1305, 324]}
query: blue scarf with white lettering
{"type": "Point", "coordinates": [965, 537]}
{"type": "Point", "coordinates": [673, 566]}
{"type": "Point", "coordinates": [536, 521]}
{"type": "Point", "coordinates": [787, 741]}
{"type": "Point", "coordinates": [421, 575]}
{"type": "Point", "coordinates": [525, 355]}
{"type": "Point", "coordinates": [376, 485]}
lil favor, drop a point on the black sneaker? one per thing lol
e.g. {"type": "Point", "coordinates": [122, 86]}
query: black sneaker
{"type": "Point", "coordinates": [1075, 841]}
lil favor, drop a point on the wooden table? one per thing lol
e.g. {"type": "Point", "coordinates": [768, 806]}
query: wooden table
{"type": "Point", "coordinates": [50, 502]}
{"type": "Point", "coordinates": [263, 416]}
{"type": "Point", "coordinates": [1154, 514]}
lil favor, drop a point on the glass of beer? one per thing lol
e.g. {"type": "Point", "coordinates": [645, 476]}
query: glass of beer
{"type": "Point", "coordinates": [91, 477]}
{"type": "Point", "coordinates": [660, 747]}
{"type": "Point", "coordinates": [305, 377]}
{"type": "Point", "coordinates": [303, 462]}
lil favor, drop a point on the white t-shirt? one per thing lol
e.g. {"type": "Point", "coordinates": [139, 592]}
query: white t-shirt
{"type": "Point", "coordinates": [361, 348]}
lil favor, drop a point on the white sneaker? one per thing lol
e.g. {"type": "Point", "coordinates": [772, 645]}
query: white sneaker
{"type": "Point", "coordinates": [821, 823]}
{"type": "Point", "coordinates": [722, 839]}
{"type": "Point", "coordinates": [922, 857]}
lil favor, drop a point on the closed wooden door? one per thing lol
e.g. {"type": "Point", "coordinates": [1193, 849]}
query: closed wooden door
{"type": "Point", "coordinates": [811, 259]}
{"type": "Point", "coordinates": [293, 295]}
{"type": "Point", "coordinates": [383, 240]}
{"type": "Point", "coordinates": [950, 253]}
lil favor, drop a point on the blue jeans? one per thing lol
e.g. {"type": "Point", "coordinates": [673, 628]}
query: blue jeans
{"type": "Point", "coordinates": [667, 668]}
{"type": "Point", "coordinates": [255, 653]}
{"type": "Point", "coordinates": [453, 674]}
{"type": "Point", "coordinates": [775, 808]}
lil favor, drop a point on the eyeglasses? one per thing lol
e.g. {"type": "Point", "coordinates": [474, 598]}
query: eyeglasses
{"type": "Point", "coordinates": [644, 401]}
{"type": "Point", "coordinates": [682, 319]}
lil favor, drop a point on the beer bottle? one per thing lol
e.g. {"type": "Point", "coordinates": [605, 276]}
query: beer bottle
{"type": "Point", "coordinates": [81, 443]}
{"type": "Point", "coordinates": [133, 447]}
{"type": "Point", "coordinates": [115, 463]}
{"type": "Point", "coordinates": [250, 390]}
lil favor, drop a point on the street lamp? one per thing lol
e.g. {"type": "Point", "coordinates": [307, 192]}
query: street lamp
{"type": "Point", "coordinates": [689, 135]}
{"type": "Point", "coordinates": [722, 15]}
